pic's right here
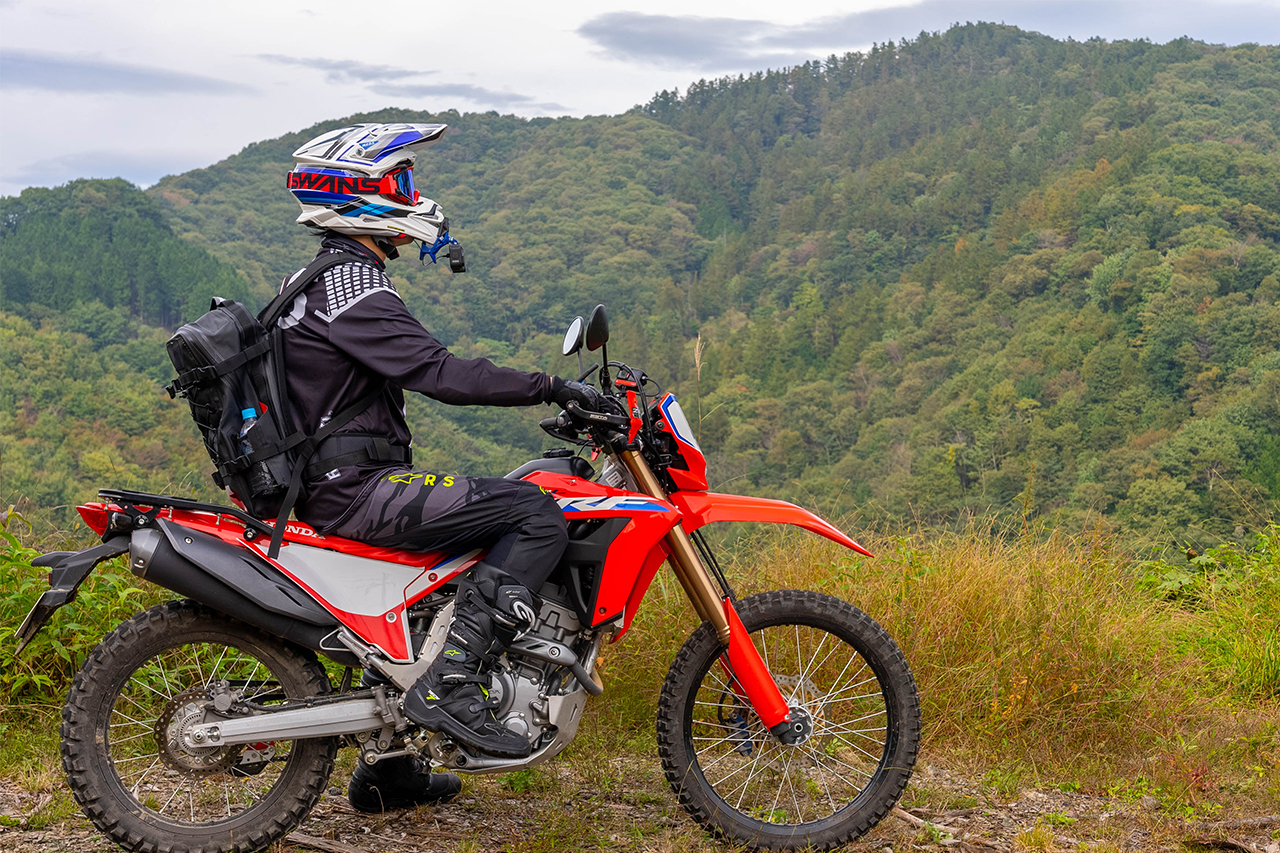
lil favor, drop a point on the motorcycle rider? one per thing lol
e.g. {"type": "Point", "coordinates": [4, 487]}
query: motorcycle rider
{"type": "Point", "coordinates": [349, 334]}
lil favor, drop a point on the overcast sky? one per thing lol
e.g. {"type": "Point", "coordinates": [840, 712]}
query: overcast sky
{"type": "Point", "coordinates": [144, 88]}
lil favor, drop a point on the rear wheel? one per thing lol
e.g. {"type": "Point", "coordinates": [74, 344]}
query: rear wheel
{"type": "Point", "coordinates": [837, 668]}
{"type": "Point", "coordinates": [148, 681]}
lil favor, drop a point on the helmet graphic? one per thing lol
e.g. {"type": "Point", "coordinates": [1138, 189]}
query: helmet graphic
{"type": "Point", "coordinates": [359, 180]}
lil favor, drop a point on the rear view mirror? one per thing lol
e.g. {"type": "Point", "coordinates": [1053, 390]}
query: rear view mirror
{"type": "Point", "coordinates": [597, 329]}
{"type": "Point", "coordinates": [573, 337]}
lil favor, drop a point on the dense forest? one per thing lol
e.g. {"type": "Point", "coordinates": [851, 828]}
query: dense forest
{"type": "Point", "coordinates": [977, 272]}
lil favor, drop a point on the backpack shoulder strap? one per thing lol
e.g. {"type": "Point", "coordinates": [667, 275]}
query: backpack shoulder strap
{"type": "Point", "coordinates": [284, 300]}
{"type": "Point", "coordinates": [306, 449]}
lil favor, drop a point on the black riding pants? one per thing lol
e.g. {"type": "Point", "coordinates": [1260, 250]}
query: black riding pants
{"type": "Point", "coordinates": [520, 524]}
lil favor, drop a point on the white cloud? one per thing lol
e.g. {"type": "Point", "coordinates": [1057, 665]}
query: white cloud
{"type": "Point", "coordinates": [342, 70]}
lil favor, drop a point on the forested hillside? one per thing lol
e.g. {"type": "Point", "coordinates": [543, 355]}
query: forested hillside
{"type": "Point", "coordinates": [983, 271]}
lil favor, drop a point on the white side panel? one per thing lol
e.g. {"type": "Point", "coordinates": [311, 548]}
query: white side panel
{"type": "Point", "coordinates": [440, 573]}
{"type": "Point", "coordinates": [354, 584]}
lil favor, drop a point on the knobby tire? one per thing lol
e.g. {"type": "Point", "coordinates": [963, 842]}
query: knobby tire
{"type": "Point", "coordinates": [738, 782]}
{"type": "Point", "coordinates": [112, 670]}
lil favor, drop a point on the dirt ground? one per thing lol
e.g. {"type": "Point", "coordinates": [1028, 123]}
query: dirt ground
{"type": "Point", "coordinates": [628, 807]}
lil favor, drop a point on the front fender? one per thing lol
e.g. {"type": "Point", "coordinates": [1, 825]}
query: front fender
{"type": "Point", "coordinates": [702, 508]}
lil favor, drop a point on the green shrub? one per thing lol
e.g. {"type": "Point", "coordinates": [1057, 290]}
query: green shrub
{"type": "Point", "coordinates": [44, 670]}
{"type": "Point", "coordinates": [1235, 590]}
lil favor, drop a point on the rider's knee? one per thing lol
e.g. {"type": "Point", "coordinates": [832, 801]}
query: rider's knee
{"type": "Point", "coordinates": [550, 515]}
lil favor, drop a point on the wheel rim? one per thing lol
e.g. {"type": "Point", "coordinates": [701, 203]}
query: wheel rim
{"type": "Point", "coordinates": [167, 694]}
{"type": "Point", "coordinates": [821, 675]}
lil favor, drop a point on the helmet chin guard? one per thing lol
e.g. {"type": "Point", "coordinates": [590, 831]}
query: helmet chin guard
{"type": "Point", "coordinates": [359, 180]}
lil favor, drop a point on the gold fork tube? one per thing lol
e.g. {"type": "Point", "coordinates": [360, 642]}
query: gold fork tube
{"type": "Point", "coordinates": [693, 576]}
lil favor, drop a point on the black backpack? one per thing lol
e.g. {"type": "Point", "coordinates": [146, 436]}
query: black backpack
{"type": "Point", "coordinates": [231, 371]}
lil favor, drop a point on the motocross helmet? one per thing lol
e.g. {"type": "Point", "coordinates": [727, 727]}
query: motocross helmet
{"type": "Point", "coordinates": [359, 180]}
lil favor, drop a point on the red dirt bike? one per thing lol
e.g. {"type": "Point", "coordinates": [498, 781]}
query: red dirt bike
{"type": "Point", "coordinates": [788, 719]}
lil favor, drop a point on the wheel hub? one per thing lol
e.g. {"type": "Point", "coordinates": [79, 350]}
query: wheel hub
{"type": "Point", "coordinates": [796, 729]}
{"type": "Point", "coordinates": [180, 715]}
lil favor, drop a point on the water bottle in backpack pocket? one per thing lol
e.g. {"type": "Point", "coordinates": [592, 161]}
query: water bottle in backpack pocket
{"type": "Point", "coordinates": [260, 480]}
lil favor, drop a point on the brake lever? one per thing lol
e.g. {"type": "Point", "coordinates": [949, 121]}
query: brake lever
{"type": "Point", "coordinates": [596, 417]}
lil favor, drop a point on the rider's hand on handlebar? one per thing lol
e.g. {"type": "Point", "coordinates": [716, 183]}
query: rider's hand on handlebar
{"type": "Point", "coordinates": [566, 391]}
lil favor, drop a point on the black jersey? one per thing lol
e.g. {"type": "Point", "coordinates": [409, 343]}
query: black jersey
{"type": "Point", "coordinates": [349, 333]}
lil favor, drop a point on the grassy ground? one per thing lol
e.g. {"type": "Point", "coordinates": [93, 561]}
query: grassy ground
{"type": "Point", "coordinates": [1044, 662]}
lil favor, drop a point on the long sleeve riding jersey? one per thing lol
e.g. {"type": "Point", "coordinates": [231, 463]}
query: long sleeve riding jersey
{"type": "Point", "coordinates": [348, 334]}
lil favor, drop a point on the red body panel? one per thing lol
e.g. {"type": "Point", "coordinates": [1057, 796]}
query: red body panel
{"type": "Point", "coordinates": [630, 554]}
{"type": "Point", "coordinates": [388, 629]}
{"type": "Point", "coordinates": [652, 563]}
{"type": "Point", "coordinates": [666, 412]}
{"type": "Point", "coordinates": [702, 508]}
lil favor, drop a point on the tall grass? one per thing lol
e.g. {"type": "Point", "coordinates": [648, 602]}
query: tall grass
{"type": "Point", "coordinates": [1036, 651]}
{"type": "Point", "coordinates": [41, 675]}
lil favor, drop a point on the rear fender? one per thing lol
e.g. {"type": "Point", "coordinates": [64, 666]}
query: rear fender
{"type": "Point", "coordinates": [67, 570]}
{"type": "Point", "coordinates": [703, 508]}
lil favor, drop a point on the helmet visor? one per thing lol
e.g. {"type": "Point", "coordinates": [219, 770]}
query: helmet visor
{"type": "Point", "coordinates": [397, 185]}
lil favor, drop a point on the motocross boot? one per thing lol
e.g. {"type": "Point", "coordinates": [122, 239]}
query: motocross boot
{"type": "Point", "coordinates": [403, 782]}
{"type": "Point", "coordinates": [490, 611]}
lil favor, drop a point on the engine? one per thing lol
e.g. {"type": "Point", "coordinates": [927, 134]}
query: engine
{"type": "Point", "coordinates": [539, 696]}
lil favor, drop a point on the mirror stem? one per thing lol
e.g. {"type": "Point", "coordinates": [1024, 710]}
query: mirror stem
{"type": "Point", "coordinates": [604, 371]}
{"type": "Point", "coordinates": [580, 361]}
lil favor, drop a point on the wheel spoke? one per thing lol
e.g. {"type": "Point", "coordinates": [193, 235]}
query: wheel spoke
{"type": "Point", "coordinates": [822, 758]}
{"type": "Point", "coordinates": [751, 775]}
{"type": "Point", "coordinates": [195, 657]}
{"type": "Point", "coordinates": [804, 673]}
{"type": "Point", "coordinates": [213, 671]}
{"type": "Point", "coordinates": [821, 761]}
{"type": "Point", "coordinates": [827, 696]}
{"type": "Point", "coordinates": [164, 678]}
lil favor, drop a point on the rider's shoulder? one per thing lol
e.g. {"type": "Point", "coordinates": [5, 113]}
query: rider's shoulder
{"type": "Point", "coordinates": [347, 284]}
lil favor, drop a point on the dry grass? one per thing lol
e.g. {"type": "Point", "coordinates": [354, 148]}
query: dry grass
{"type": "Point", "coordinates": [1039, 659]}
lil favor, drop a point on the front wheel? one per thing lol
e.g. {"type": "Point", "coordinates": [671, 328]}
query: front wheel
{"type": "Point", "coordinates": [836, 667]}
{"type": "Point", "coordinates": [147, 682]}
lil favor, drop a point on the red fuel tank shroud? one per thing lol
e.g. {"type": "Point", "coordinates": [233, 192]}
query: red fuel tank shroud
{"type": "Point", "coordinates": [630, 564]}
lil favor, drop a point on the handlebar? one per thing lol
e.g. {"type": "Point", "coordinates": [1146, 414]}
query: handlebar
{"type": "Point", "coordinates": [575, 419]}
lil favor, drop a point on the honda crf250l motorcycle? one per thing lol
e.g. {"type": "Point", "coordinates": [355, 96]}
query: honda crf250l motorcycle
{"type": "Point", "coordinates": [788, 719]}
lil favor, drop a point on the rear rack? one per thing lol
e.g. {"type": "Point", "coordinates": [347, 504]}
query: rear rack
{"type": "Point", "coordinates": [126, 496]}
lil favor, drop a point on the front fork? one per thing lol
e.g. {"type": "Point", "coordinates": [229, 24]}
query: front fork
{"type": "Point", "coordinates": [746, 669]}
